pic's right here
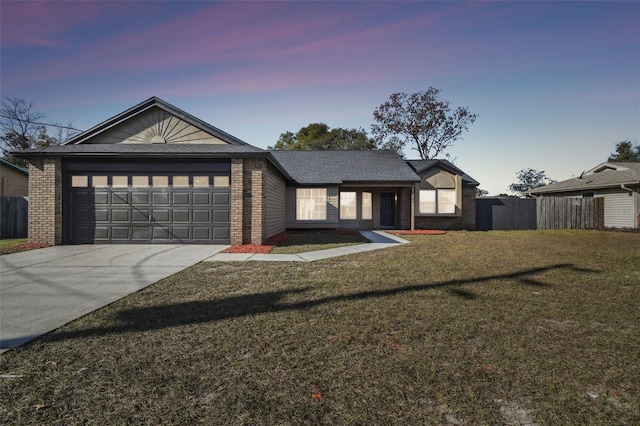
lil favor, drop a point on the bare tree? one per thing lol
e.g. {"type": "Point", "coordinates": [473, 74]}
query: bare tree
{"type": "Point", "coordinates": [22, 128]}
{"type": "Point", "coordinates": [421, 120]}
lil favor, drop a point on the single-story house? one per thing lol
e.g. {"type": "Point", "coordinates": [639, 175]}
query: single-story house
{"type": "Point", "coordinates": [14, 180]}
{"type": "Point", "coordinates": [617, 183]}
{"type": "Point", "coordinates": [156, 174]}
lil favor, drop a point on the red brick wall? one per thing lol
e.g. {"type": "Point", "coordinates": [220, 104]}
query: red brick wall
{"type": "Point", "coordinates": [247, 201]}
{"type": "Point", "coordinates": [45, 201]}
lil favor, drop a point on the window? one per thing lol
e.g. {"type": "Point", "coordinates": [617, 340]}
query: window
{"type": "Point", "coordinates": [119, 181]}
{"type": "Point", "coordinates": [311, 204]}
{"type": "Point", "coordinates": [367, 206]}
{"type": "Point", "coordinates": [181, 181]}
{"type": "Point", "coordinates": [348, 206]}
{"type": "Point", "coordinates": [140, 181]}
{"type": "Point", "coordinates": [100, 181]}
{"type": "Point", "coordinates": [200, 181]}
{"type": "Point", "coordinates": [160, 181]}
{"type": "Point", "coordinates": [221, 181]}
{"type": "Point", "coordinates": [79, 181]}
{"type": "Point", "coordinates": [441, 195]}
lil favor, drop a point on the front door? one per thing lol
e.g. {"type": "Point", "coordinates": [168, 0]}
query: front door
{"type": "Point", "coordinates": [387, 209]}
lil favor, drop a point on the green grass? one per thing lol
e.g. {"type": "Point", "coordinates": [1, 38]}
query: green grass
{"type": "Point", "coordinates": [10, 245]}
{"type": "Point", "coordinates": [475, 328]}
{"type": "Point", "coordinates": [310, 241]}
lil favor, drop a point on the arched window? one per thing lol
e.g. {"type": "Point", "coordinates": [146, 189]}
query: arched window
{"type": "Point", "coordinates": [438, 194]}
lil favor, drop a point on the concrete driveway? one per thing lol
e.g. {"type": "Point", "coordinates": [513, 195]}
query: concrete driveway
{"type": "Point", "coordinates": [40, 290]}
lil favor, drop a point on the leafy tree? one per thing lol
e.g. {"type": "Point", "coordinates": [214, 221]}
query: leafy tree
{"type": "Point", "coordinates": [481, 192]}
{"type": "Point", "coordinates": [22, 128]}
{"type": "Point", "coordinates": [625, 152]}
{"type": "Point", "coordinates": [318, 136]}
{"type": "Point", "coordinates": [529, 179]}
{"type": "Point", "coordinates": [421, 120]}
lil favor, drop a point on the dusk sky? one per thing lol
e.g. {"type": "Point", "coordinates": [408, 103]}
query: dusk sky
{"type": "Point", "coordinates": [555, 84]}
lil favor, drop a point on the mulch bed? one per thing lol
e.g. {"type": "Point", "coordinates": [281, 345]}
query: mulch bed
{"type": "Point", "coordinates": [259, 248]}
{"type": "Point", "coordinates": [419, 232]}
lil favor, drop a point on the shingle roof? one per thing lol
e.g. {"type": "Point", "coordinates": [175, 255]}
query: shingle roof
{"type": "Point", "coordinates": [339, 167]}
{"type": "Point", "coordinates": [627, 173]}
{"type": "Point", "coordinates": [209, 150]}
{"type": "Point", "coordinates": [421, 166]}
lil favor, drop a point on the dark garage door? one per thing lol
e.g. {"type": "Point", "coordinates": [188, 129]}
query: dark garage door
{"type": "Point", "coordinates": [150, 207]}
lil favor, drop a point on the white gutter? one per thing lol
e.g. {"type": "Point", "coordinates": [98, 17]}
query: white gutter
{"type": "Point", "coordinates": [626, 188]}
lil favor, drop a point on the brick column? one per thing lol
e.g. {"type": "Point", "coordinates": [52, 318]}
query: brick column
{"type": "Point", "coordinates": [45, 201]}
{"type": "Point", "coordinates": [237, 202]}
{"type": "Point", "coordinates": [405, 208]}
{"type": "Point", "coordinates": [257, 203]}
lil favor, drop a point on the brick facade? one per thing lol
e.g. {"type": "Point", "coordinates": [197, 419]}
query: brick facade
{"type": "Point", "coordinates": [247, 201]}
{"type": "Point", "coordinates": [404, 199]}
{"type": "Point", "coordinates": [45, 201]}
{"type": "Point", "coordinates": [466, 221]}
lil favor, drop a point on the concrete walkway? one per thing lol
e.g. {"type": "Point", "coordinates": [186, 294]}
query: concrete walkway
{"type": "Point", "coordinates": [379, 240]}
{"type": "Point", "coordinates": [41, 290]}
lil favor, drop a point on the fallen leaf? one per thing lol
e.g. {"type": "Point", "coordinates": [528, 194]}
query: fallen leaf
{"type": "Point", "coordinates": [41, 406]}
{"type": "Point", "coordinates": [316, 396]}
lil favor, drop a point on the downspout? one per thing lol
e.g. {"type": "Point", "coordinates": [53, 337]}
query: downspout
{"type": "Point", "coordinates": [626, 188]}
{"type": "Point", "coordinates": [634, 202]}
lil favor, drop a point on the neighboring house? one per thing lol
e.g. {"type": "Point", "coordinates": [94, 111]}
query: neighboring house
{"type": "Point", "coordinates": [155, 174]}
{"type": "Point", "coordinates": [14, 180]}
{"type": "Point", "coordinates": [617, 183]}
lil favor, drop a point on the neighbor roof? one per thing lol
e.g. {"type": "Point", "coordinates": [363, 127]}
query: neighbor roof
{"type": "Point", "coordinates": [144, 106]}
{"type": "Point", "coordinates": [13, 166]}
{"type": "Point", "coordinates": [421, 166]}
{"type": "Point", "coordinates": [605, 175]}
{"type": "Point", "coordinates": [341, 167]}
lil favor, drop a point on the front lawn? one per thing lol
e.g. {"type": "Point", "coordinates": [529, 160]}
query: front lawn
{"type": "Point", "coordinates": [470, 328]}
{"type": "Point", "coordinates": [12, 245]}
{"type": "Point", "coordinates": [300, 242]}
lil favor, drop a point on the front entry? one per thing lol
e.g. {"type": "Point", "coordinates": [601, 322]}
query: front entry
{"type": "Point", "coordinates": [387, 209]}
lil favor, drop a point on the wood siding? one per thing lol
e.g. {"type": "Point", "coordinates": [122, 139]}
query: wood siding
{"type": "Point", "coordinates": [570, 213]}
{"type": "Point", "coordinates": [332, 211]}
{"type": "Point", "coordinates": [276, 202]}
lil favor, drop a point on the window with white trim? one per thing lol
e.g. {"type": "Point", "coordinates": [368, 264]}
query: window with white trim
{"type": "Point", "coordinates": [367, 206]}
{"type": "Point", "coordinates": [348, 206]}
{"type": "Point", "coordinates": [311, 204]}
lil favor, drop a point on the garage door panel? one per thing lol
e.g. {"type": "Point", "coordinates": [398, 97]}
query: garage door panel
{"type": "Point", "coordinates": [181, 233]}
{"type": "Point", "coordinates": [120, 233]}
{"type": "Point", "coordinates": [201, 233]}
{"type": "Point", "coordinates": [102, 233]}
{"type": "Point", "coordinates": [160, 198]}
{"type": "Point", "coordinates": [140, 216]}
{"type": "Point", "coordinates": [120, 198]}
{"type": "Point", "coordinates": [221, 233]}
{"type": "Point", "coordinates": [201, 199]}
{"type": "Point", "coordinates": [140, 198]}
{"type": "Point", "coordinates": [120, 215]}
{"type": "Point", "coordinates": [221, 216]}
{"type": "Point", "coordinates": [181, 216]}
{"type": "Point", "coordinates": [180, 198]}
{"type": "Point", "coordinates": [161, 215]}
{"type": "Point", "coordinates": [101, 198]}
{"type": "Point", "coordinates": [126, 210]}
{"type": "Point", "coordinates": [201, 216]}
{"type": "Point", "coordinates": [220, 199]}
{"type": "Point", "coordinates": [101, 215]}
{"type": "Point", "coordinates": [140, 233]}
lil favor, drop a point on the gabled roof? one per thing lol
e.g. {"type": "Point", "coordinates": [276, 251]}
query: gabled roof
{"type": "Point", "coordinates": [604, 175]}
{"type": "Point", "coordinates": [343, 167]}
{"type": "Point", "coordinates": [154, 102]}
{"type": "Point", "coordinates": [421, 166]}
{"type": "Point", "coordinates": [12, 166]}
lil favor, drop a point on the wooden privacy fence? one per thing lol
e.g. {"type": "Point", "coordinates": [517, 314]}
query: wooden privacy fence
{"type": "Point", "coordinates": [13, 217]}
{"type": "Point", "coordinates": [570, 213]}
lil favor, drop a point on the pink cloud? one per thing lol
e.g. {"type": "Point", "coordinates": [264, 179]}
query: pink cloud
{"type": "Point", "coordinates": [42, 23]}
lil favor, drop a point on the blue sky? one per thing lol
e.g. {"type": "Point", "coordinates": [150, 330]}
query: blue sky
{"type": "Point", "coordinates": [555, 84]}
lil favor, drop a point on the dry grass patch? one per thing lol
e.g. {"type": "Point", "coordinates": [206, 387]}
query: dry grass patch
{"type": "Point", "coordinates": [463, 328]}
